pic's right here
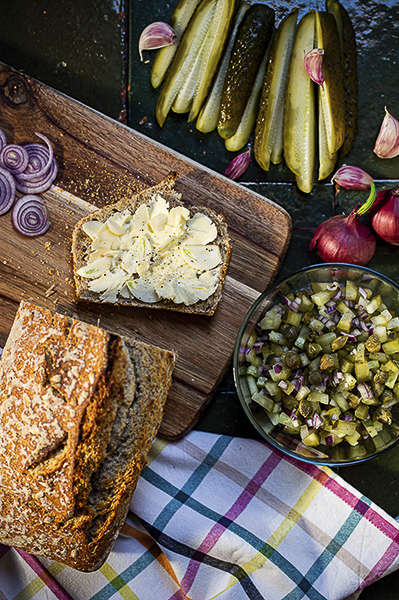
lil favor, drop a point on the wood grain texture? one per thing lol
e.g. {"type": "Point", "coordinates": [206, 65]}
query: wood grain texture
{"type": "Point", "coordinates": [101, 161]}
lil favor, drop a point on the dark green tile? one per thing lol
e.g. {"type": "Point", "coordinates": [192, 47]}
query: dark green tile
{"type": "Point", "coordinates": [75, 47]}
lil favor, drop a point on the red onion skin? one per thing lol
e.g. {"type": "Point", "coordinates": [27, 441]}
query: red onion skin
{"type": "Point", "coordinates": [344, 239]}
{"type": "Point", "coordinates": [384, 215]}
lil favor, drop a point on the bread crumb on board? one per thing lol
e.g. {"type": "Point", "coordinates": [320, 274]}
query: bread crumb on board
{"type": "Point", "coordinates": [86, 183]}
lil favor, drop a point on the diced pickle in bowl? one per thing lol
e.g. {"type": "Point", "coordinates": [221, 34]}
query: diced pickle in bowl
{"type": "Point", "coordinates": [316, 364]}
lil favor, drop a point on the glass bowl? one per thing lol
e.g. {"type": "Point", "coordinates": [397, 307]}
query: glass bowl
{"type": "Point", "coordinates": [353, 424]}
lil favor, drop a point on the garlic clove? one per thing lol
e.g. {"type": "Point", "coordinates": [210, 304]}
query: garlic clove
{"type": "Point", "coordinates": [238, 165]}
{"type": "Point", "coordinates": [352, 178]}
{"type": "Point", "coordinates": [313, 62]}
{"type": "Point", "coordinates": [156, 35]}
{"type": "Point", "coordinates": [387, 143]}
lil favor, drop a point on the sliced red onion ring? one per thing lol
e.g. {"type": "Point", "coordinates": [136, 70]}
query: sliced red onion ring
{"type": "Point", "coordinates": [39, 162]}
{"type": "Point", "coordinates": [40, 158]}
{"type": "Point", "coordinates": [3, 139]}
{"type": "Point", "coordinates": [30, 216]}
{"type": "Point", "coordinates": [14, 158]}
{"type": "Point", "coordinates": [7, 191]}
{"type": "Point", "coordinates": [37, 185]}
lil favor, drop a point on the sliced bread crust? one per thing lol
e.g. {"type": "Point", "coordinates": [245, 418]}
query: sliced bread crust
{"type": "Point", "coordinates": [81, 248]}
{"type": "Point", "coordinates": [79, 409]}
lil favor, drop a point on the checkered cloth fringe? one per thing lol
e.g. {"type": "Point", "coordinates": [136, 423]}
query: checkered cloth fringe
{"type": "Point", "coordinates": [221, 517]}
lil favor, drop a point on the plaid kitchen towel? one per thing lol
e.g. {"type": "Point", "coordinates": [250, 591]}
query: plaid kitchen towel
{"type": "Point", "coordinates": [221, 517]}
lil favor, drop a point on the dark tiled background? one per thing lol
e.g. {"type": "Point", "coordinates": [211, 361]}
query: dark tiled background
{"type": "Point", "coordinates": [88, 50]}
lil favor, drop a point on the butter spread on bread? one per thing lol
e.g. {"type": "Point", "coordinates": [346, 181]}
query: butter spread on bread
{"type": "Point", "coordinates": [152, 250]}
{"type": "Point", "coordinates": [79, 409]}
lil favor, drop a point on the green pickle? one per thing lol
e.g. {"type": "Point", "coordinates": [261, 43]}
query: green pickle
{"type": "Point", "coordinates": [190, 74]}
{"type": "Point", "coordinates": [184, 58]}
{"type": "Point", "coordinates": [252, 41]}
{"type": "Point", "coordinates": [248, 119]}
{"type": "Point", "coordinates": [209, 114]}
{"type": "Point", "coordinates": [299, 123]}
{"type": "Point", "coordinates": [268, 145]}
{"type": "Point", "coordinates": [349, 63]}
{"type": "Point", "coordinates": [211, 53]}
{"type": "Point", "coordinates": [334, 385]}
{"type": "Point", "coordinates": [179, 20]}
{"type": "Point", "coordinates": [332, 92]}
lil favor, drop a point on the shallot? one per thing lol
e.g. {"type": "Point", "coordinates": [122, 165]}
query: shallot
{"type": "Point", "coordinates": [14, 158]}
{"type": "Point", "coordinates": [313, 62]}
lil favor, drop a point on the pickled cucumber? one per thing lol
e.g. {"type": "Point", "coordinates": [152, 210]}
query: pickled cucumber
{"type": "Point", "coordinates": [349, 64]}
{"type": "Point", "coordinates": [341, 388]}
{"type": "Point", "coordinates": [247, 123]}
{"type": "Point", "coordinates": [208, 117]}
{"type": "Point", "coordinates": [268, 144]}
{"type": "Point", "coordinates": [198, 80]}
{"type": "Point", "coordinates": [184, 98]}
{"type": "Point", "coordinates": [332, 93]}
{"type": "Point", "coordinates": [179, 20]}
{"type": "Point", "coordinates": [299, 132]}
{"type": "Point", "coordinates": [185, 56]}
{"type": "Point", "coordinates": [327, 162]}
{"type": "Point", "coordinates": [211, 53]}
{"type": "Point", "coordinates": [251, 44]}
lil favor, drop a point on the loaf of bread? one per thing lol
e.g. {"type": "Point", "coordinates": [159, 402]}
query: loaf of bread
{"type": "Point", "coordinates": [176, 258]}
{"type": "Point", "coordinates": [79, 409]}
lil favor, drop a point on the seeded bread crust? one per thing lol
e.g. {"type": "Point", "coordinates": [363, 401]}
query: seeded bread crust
{"type": "Point", "coordinates": [81, 248]}
{"type": "Point", "coordinates": [79, 409]}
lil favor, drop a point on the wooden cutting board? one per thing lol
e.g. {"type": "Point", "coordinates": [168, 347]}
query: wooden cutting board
{"type": "Point", "coordinates": [101, 161]}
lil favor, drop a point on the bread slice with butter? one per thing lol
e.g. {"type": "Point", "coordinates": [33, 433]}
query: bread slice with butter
{"type": "Point", "coordinates": [152, 251]}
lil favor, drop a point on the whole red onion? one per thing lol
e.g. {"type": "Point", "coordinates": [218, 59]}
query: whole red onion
{"type": "Point", "coordinates": [344, 239]}
{"type": "Point", "coordinates": [384, 215]}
